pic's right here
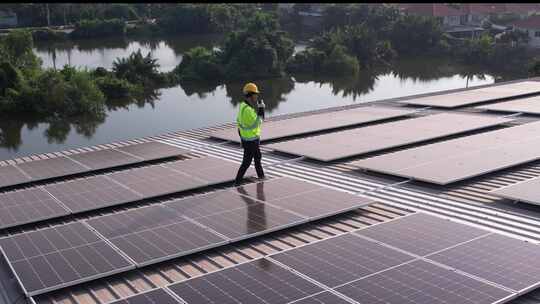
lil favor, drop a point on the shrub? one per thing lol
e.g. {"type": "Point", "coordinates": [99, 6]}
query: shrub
{"type": "Point", "coordinates": [138, 69]}
{"type": "Point", "coordinates": [49, 35]}
{"type": "Point", "coordinates": [98, 28]}
{"type": "Point", "coordinates": [340, 63]}
{"type": "Point", "coordinates": [114, 88]}
{"type": "Point", "coordinates": [306, 61]}
{"type": "Point", "coordinates": [198, 63]}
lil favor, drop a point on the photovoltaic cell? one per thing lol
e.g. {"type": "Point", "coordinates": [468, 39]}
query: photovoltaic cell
{"type": "Point", "coordinates": [210, 169]}
{"type": "Point", "coordinates": [257, 282]}
{"type": "Point", "coordinates": [323, 298]}
{"type": "Point", "coordinates": [421, 234]}
{"type": "Point", "coordinates": [507, 261]}
{"type": "Point", "coordinates": [529, 105]}
{"type": "Point", "coordinates": [468, 97]}
{"type": "Point", "coordinates": [526, 191]}
{"type": "Point", "coordinates": [52, 167]}
{"type": "Point", "coordinates": [104, 159]}
{"type": "Point", "coordinates": [333, 146]}
{"type": "Point", "coordinates": [26, 206]}
{"type": "Point", "coordinates": [341, 259]}
{"type": "Point", "coordinates": [156, 296]}
{"type": "Point", "coordinates": [10, 175]}
{"type": "Point", "coordinates": [91, 193]}
{"type": "Point", "coordinates": [76, 252]}
{"type": "Point", "coordinates": [312, 123]}
{"type": "Point", "coordinates": [155, 180]}
{"type": "Point", "coordinates": [152, 150]}
{"type": "Point", "coordinates": [420, 282]}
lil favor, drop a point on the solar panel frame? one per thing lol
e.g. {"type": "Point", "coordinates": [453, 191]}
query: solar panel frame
{"type": "Point", "coordinates": [62, 165]}
{"type": "Point", "coordinates": [154, 296]}
{"type": "Point", "coordinates": [325, 297]}
{"type": "Point", "coordinates": [527, 105]}
{"type": "Point", "coordinates": [12, 171]}
{"type": "Point", "coordinates": [311, 124]}
{"type": "Point", "coordinates": [152, 150]}
{"type": "Point", "coordinates": [522, 191]}
{"type": "Point", "coordinates": [359, 141]}
{"type": "Point", "coordinates": [25, 276]}
{"type": "Point", "coordinates": [492, 93]}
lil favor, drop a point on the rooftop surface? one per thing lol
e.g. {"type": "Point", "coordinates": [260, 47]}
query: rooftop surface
{"type": "Point", "coordinates": [470, 201]}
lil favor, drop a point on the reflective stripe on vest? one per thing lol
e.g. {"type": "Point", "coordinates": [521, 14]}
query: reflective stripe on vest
{"type": "Point", "coordinates": [251, 132]}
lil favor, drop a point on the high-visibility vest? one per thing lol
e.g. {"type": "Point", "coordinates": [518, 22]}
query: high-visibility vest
{"type": "Point", "coordinates": [249, 123]}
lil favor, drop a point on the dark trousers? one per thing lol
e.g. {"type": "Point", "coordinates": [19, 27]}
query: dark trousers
{"type": "Point", "coordinates": [251, 151]}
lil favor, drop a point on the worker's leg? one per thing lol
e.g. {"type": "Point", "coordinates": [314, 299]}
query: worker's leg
{"type": "Point", "coordinates": [246, 161]}
{"type": "Point", "coordinates": [257, 155]}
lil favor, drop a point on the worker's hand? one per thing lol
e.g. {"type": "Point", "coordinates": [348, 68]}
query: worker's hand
{"type": "Point", "coordinates": [261, 104]}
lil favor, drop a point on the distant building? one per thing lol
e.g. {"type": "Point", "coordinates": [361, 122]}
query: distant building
{"type": "Point", "coordinates": [8, 19]}
{"type": "Point", "coordinates": [531, 26]}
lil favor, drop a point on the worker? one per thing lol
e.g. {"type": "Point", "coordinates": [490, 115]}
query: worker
{"type": "Point", "coordinates": [249, 120]}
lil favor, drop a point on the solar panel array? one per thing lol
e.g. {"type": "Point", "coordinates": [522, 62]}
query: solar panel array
{"type": "Point", "coordinates": [96, 192]}
{"type": "Point", "coordinates": [36, 170]}
{"type": "Point", "coordinates": [526, 191]}
{"type": "Point", "coordinates": [312, 123]}
{"type": "Point", "coordinates": [458, 159]}
{"type": "Point", "coordinates": [469, 97]}
{"type": "Point", "coordinates": [147, 235]}
{"type": "Point", "coordinates": [333, 146]}
{"type": "Point", "coordinates": [529, 105]}
{"type": "Point", "coordinates": [374, 266]}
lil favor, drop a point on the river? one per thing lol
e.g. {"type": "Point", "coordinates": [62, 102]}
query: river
{"type": "Point", "coordinates": [189, 106]}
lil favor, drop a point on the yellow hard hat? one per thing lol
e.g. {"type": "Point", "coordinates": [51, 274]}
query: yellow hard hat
{"type": "Point", "coordinates": [251, 88]}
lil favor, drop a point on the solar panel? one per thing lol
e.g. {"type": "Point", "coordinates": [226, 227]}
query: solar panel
{"type": "Point", "coordinates": [422, 282]}
{"type": "Point", "coordinates": [76, 252]}
{"type": "Point", "coordinates": [341, 259]}
{"type": "Point", "coordinates": [273, 189]}
{"type": "Point", "coordinates": [312, 123]}
{"type": "Point", "coordinates": [104, 159]}
{"type": "Point", "coordinates": [52, 167]}
{"type": "Point", "coordinates": [152, 150]}
{"type": "Point", "coordinates": [460, 158]}
{"type": "Point", "coordinates": [256, 282]}
{"type": "Point", "coordinates": [468, 97]}
{"type": "Point", "coordinates": [155, 180]}
{"type": "Point", "coordinates": [10, 175]}
{"type": "Point", "coordinates": [506, 261]}
{"type": "Point", "coordinates": [333, 146]}
{"type": "Point", "coordinates": [91, 193]}
{"type": "Point", "coordinates": [421, 234]}
{"type": "Point", "coordinates": [149, 235]}
{"type": "Point", "coordinates": [524, 191]}
{"type": "Point", "coordinates": [156, 296]}
{"type": "Point", "coordinates": [28, 205]}
{"type": "Point", "coordinates": [249, 220]}
{"type": "Point", "coordinates": [321, 203]}
{"type": "Point", "coordinates": [210, 169]}
{"type": "Point", "coordinates": [323, 298]}
{"type": "Point", "coordinates": [529, 105]}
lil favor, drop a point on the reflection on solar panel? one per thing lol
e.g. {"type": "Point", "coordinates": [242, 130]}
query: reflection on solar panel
{"type": "Point", "coordinates": [359, 141]}
{"type": "Point", "coordinates": [312, 123]}
{"type": "Point", "coordinates": [524, 192]}
{"type": "Point", "coordinates": [52, 167]}
{"type": "Point", "coordinates": [422, 282]}
{"type": "Point", "coordinates": [210, 169]}
{"type": "Point", "coordinates": [156, 296]}
{"type": "Point", "coordinates": [91, 193]}
{"type": "Point", "coordinates": [529, 105]}
{"type": "Point", "coordinates": [506, 261]}
{"type": "Point", "coordinates": [271, 190]}
{"type": "Point", "coordinates": [461, 158]}
{"type": "Point", "coordinates": [249, 220]}
{"type": "Point", "coordinates": [421, 234]}
{"type": "Point", "coordinates": [11, 175]}
{"type": "Point", "coordinates": [457, 99]}
{"type": "Point", "coordinates": [152, 150]}
{"type": "Point", "coordinates": [76, 252]}
{"type": "Point", "coordinates": [104, 159]}
{"type": "Point", "coordinates": [341, 259]}
{"type": "Point", "coordinates": [26, 206]}
{"type": "Point", "coordinates": [83, 162]}
{"type": "Point", "coordinates": [256, 282]}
